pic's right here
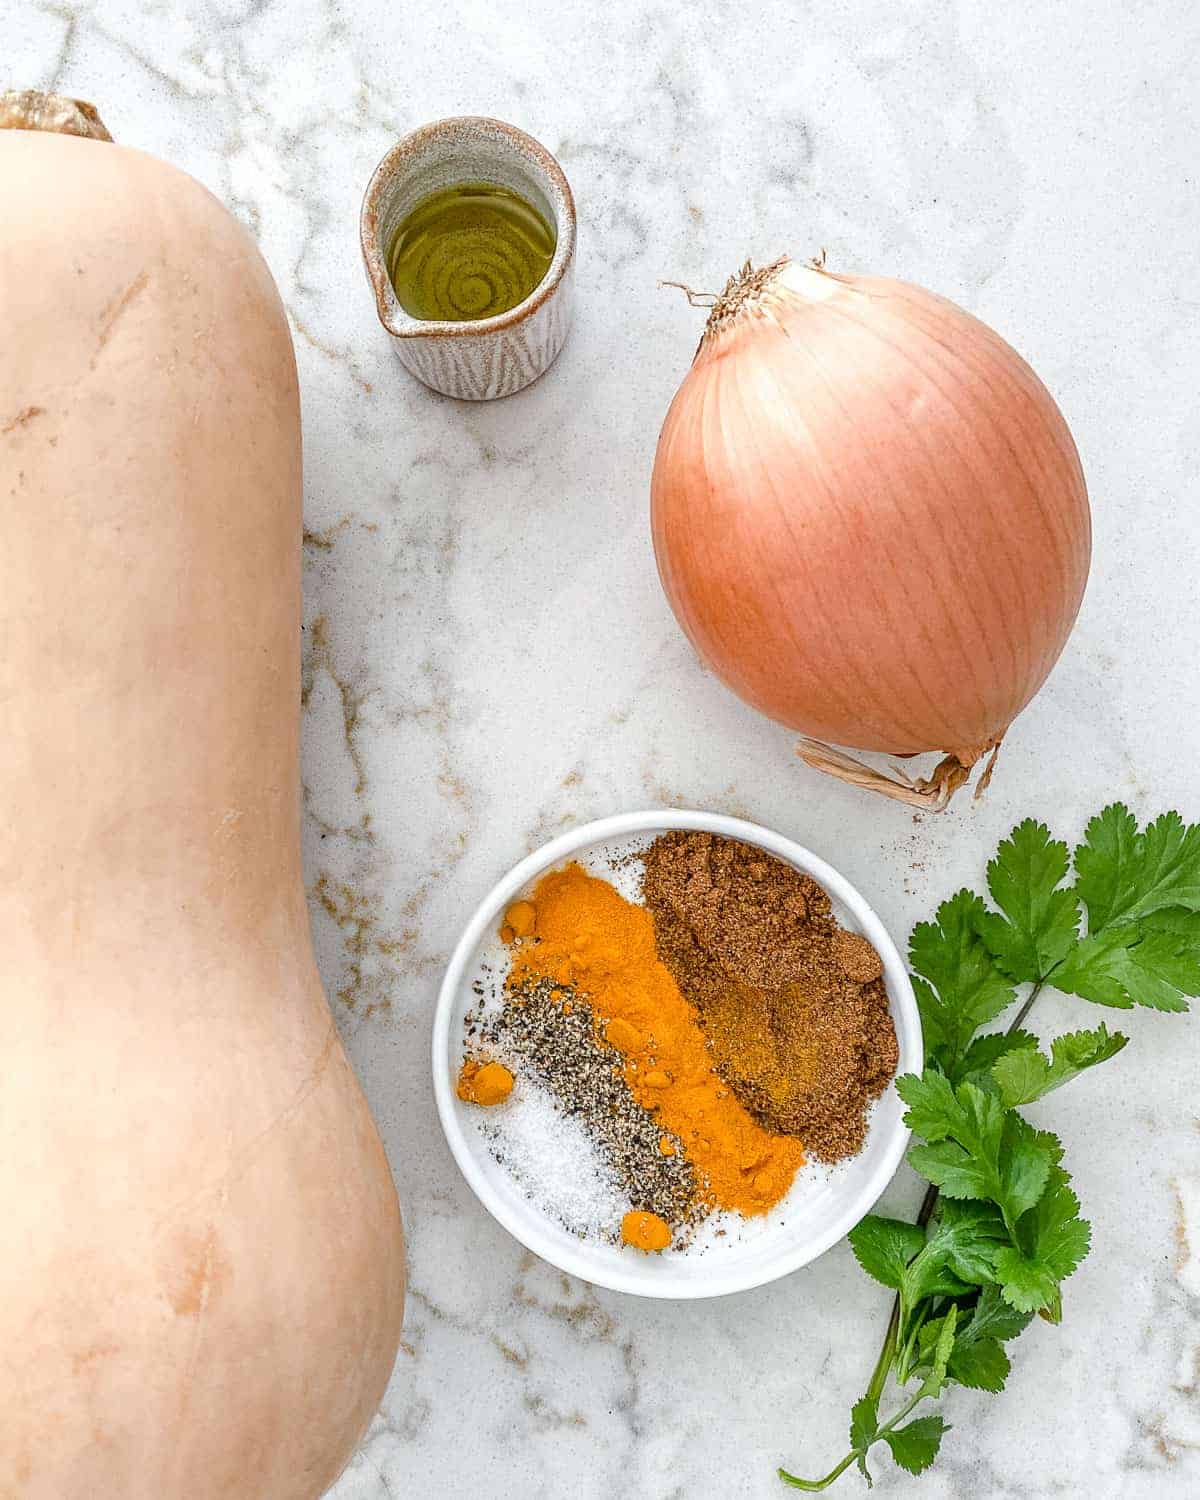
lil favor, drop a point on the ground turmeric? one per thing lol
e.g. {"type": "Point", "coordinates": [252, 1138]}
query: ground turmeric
{"type": "Point", "coordinates": [645, 1231]}
{"type": "Point", "coordinates": [594, 941]}
{"type": "Point", "coordinates": [484, 1082]}
{"type": "Point", "coordinates": [519, 921]}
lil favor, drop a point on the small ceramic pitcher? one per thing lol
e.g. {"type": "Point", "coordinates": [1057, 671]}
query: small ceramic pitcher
{"type": "Point", "coordinates": [489, 357]}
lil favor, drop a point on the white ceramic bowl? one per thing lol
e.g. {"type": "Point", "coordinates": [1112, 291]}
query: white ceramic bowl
{"type": "Point", "coordinates": [823, 1204]}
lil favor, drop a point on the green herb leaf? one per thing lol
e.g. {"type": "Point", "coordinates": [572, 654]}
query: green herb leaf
{"type": "Point", "coordinates": [992, 1317]}
{"type": "Point", "coordinates": [1185, 925]}
{"type": "Point", "coordinates": [957, 984]}
{"type": "Point", "coordinates": [938, 1279]}
{"type": "Point", "coordinates": [933, 1107]}
{"type": "Point", "coordinates": [978, 1358]}
{"type": "Point", "coordinates": [864, 1422]}
{"type": "Point", "coordinates": [931, 1275]}
{"type": "Point", "coordinates": [1126, 966]}
{"type": "Point", "coordinates": [1106, 865]}
{"type": "Point", "coordinates": [1027, 1283]}
{"type": "Point", "coordinates": [915, 1446]}
{"type": "Point", "coordinates": [1012, 1170]}
{"type": "Point", "coordinates": [966, 1235]}
{"type": "Point", "coordinates": [1027, 1074]}
{"type": "Point", "coordinates": [1169, 867]}
{"type": "Point", "coordinates": [864, 1428]}
{"type": "Point", "coordinates": [981, 1364]}
{"type": "Point", "coordinates": [1053, 1240]}
{"type": "Point", "coordinates": [927, 1337]}
{"type": "Point", "coordinates": [977, 1148]}
{"type": "Point", "coordinates": [1041, 922]}
{"type": "Point", "coordinates": [985, 1051]}
{"type": "Point", "coordinates": [1123, 875]}
{"type": "Point", "coordinates": [884, 1247]}
{"type": "Point", "coordinates": [956, 1255]}
{"type": "Point", "coordinates": [939, 1355]}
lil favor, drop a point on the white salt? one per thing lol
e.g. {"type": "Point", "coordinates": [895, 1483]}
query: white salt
{"type": "Point", "coordinates": [555, 1162]}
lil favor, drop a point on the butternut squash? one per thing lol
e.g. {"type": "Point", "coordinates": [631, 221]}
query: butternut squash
{"type": "Point", "coordinates": [201, 1260]}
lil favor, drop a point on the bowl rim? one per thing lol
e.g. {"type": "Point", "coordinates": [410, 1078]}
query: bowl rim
{"type": "Point", "coordinates": [526, 1227]}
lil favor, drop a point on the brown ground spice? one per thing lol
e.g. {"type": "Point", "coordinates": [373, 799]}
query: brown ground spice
{"type": "Point", "coordinates": [793, 1006]}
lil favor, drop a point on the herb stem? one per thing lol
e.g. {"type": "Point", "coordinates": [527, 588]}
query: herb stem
{"type": "Point", "coordinates": [1027, 1007]}
{"type": "Point", "coordinates": [892, 1355]}
{"type": "Point", "coordinates": [901, 1414]}
{"type": "Point", "coordinates": [910, 1340]}
{"type": "Point", "coordinates": [928, 1203]}
{"type": "Point", "coordinates": [813, 1485]}
{"type": "Point", "coordinates": [884, 1363]}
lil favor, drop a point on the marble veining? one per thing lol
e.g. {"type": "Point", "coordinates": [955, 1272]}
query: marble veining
{"type": "Point", "coordinates": [488, 658]}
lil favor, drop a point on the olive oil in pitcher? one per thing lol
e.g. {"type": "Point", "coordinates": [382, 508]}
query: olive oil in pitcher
{"type": "Point", "coordinates": [469, 251]}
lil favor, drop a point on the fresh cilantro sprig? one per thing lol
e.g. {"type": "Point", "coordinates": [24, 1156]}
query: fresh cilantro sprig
{"type": "Point", "coordinates": [1000, 1230]}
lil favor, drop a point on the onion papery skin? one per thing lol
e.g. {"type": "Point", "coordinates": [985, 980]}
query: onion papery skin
{"type": "Point", "coordinates": [869, 516]}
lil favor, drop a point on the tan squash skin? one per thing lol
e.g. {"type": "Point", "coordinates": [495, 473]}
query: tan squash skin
{"type": "Point", "coordinates": [201, 1260]}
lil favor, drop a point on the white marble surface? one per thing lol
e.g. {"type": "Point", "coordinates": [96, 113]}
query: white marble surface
{"type": "Point", "coordinates": [489, 658]}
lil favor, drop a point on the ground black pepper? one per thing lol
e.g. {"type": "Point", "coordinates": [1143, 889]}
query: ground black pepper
{"type": "Point", "coordinates": [551, 1032]}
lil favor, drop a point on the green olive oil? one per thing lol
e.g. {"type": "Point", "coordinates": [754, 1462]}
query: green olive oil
{"type": "Point", "coordinates": [467, 252]}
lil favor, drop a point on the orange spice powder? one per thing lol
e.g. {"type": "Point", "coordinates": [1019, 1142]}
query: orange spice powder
{"type": "Point", "coordinates": [593, 940]}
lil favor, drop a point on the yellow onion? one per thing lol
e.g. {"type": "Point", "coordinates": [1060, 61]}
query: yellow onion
{"type": "Point", "coordinates": [870, 519]}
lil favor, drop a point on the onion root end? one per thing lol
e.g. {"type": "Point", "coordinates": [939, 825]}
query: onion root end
{"type": "Point", "coordinates": [929, 793]}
